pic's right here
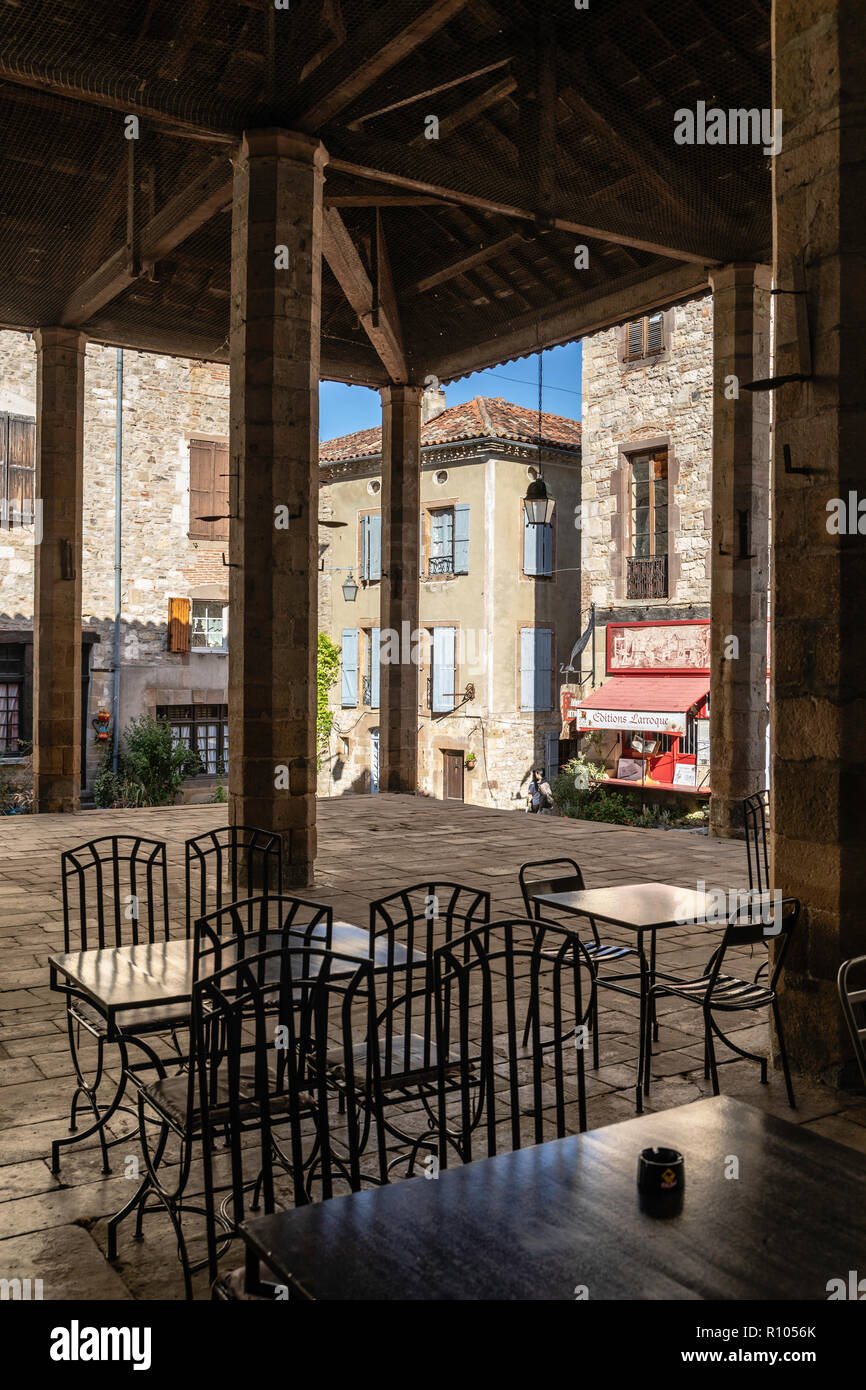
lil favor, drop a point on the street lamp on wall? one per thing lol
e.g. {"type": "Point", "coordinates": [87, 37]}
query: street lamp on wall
{"type": "Point", "coordinates": [538, 504]}
{"type": "Point", "coordinates": [350, 588]}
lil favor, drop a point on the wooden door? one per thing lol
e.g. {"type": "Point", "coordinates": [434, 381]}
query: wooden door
{"type": "Point", "coordinates": [452, 775]}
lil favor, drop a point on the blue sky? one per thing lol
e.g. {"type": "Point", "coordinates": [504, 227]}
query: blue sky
{"type": "Point", "coordinates": [344, 409]}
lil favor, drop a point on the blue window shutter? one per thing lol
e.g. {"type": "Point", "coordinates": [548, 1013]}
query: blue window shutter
{"type": "Point", "coordinates": [543, 667]}
{"type": "Point", "coordinates": [461, 538]}
{"type": "Point", "coordinates": [545, 562]}
{"type": "Point", "coordinates": [374, 533]}
{"type": "Point", "coordinates": [530, 546]}
{"type": "Point", "coordinates": [443, 668]}
{"type": "Point", "coordinates": [365, 547]}
{"type": "Point", "coordinates": [527, 668]}
{"type": "Point", "coordinates": [350, 667]}
{"type": "Point", "coordinates": [374, 669]}
{"type": "Point", "coordinates": [421, 544]}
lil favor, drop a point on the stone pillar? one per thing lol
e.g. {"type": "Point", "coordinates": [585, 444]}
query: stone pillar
{"type": "Point", "coordinates": [400, 588]}
{"type": "Point", "coordinates": [739, 582]}
{"type": "Point", "coordinates": [818, 810]}
{"type": "Point", "coordinates": [275, 333]}
{"type": "Point", "coordinates": [57, 569]}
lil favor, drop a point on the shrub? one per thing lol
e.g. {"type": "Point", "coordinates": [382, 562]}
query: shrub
{"type": "Point", "coordinates": [576, 786]}
{"type": "Point", "coordinates": [150, 769]}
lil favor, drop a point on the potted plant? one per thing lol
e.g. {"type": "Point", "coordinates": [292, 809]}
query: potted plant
{"type": "Point", "coordinates": [471, 760]}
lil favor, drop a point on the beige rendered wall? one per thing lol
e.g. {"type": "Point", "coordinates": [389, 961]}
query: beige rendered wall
{"type": "Point", "coordinates": [488, 606]}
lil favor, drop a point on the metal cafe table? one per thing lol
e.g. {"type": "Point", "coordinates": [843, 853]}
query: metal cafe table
{"type": "Point", "coordinates": [641, 908]}
{"type": "Point", "coordinates": [123, 979]}
{"type": "Point", "coordinates": [126, 981]}
{"type": "Point", "coordinates": [564, 1220]}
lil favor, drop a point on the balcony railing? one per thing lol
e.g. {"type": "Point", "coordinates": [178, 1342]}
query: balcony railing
{"type": "Point", "coordinates": [647, 578]}
{"type": "Point", "coordinates": [440, 564]}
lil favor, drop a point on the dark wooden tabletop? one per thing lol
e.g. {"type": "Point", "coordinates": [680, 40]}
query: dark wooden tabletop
{"type": "Point", "coordinates": [640, 906]}
{"type": "Point", "coordinates": [546, 1222]}
{"type": "Point", "coordinates": [161, 973]}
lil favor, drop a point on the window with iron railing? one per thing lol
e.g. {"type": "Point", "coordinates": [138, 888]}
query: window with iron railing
{"type": "Point", "coordinates": [647, 578]}
{"type": "Point", "coordinates": [647, 561]}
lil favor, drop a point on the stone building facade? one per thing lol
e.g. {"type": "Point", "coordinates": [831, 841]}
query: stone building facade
{"type": "Point", "coordinates": [647, 414]}
{"type": "Point", "coordinates": [646, 515]}
{"type": "Point", "coordinates": [168, 404]}
{"type": "Point", "coordinates": [498, 615]}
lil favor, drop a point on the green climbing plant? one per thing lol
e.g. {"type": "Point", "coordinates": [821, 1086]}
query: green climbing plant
{"type": "Point", "coordinates": [327, 671]}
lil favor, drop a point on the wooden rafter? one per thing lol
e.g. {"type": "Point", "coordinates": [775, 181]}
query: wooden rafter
{"type": "Point", "coordinates": [388, 37]}
{"type": "Point", "coordinates": [377, 320]}
{"type": "Point", "coordinates": [571, 318]}
{"type": "Point", "coordinates": [185, 213]}
{"type": "Point", "coordinates": [363, 158]}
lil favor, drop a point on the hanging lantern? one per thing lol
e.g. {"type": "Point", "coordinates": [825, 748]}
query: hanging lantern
{"type": "Point", "coordinates": [350, 588]}
{"type": "Point", "coordinates": [538, 504]}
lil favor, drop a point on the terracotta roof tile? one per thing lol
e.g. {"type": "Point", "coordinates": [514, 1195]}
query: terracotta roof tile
{"type": "Point", "coordinates": [484, 417]}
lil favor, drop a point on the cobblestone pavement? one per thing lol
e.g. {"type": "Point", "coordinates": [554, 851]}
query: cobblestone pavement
{"type": "Point", "coordinates": [54, 1228]}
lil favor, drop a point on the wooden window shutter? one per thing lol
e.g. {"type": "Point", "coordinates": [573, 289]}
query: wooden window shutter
{"type": "Point", "coordinates": [178, 625]}
{"type": "Point", "coordinates": [19, 449]}
{"type": "Point", "coordinates": [208, 489]}
{"type": "Point", "coordinates": [655, 333]}
{"type": "Point", "coordinates": [634, 339]}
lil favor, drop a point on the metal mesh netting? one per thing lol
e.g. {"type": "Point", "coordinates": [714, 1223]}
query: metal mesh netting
{"type": "Point", "coordinates": [368, 77]}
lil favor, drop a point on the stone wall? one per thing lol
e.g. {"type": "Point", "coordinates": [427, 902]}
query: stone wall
{"type": "Point", "coordinates": [665, 399]}
{"type": "Point", "coordinates": [166, 401]}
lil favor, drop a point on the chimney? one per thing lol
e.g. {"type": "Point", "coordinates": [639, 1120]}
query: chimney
{"type": "Point", "coordinates": [432, 403]}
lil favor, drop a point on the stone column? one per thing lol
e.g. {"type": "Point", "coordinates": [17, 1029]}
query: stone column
{"type": "Point", "coordinates": [57, 569]}
{"type": "Point", "coordinates": [275, 333]}
{"type": "Point", "coordinates": [740, 505]}
{"type": "Point", "coordinates": [818, 808]}
{"type": "Point", "coordinates": [400, 588]}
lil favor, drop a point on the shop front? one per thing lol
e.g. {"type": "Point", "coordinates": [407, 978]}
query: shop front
{"type": "Point", "coordinates": [648, 721]}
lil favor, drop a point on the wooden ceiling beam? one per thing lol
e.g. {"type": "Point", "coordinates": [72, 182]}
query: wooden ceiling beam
{"type": "Point", "coordinates": [377, 320]}
{"type": "Point", "coordinates": [182, 215]}
{"type": "Point", "coordinates": [363, 158]}
{"type": "Point", "coordinates": [389, 36]}
{"type": "Point", "coordinates": [567, 320]}
{"type": "Point", "coordinates": [476, 72]}
{"type": "Point", "coordinates": [464, 263]}
{"type": "Point", "coordinates": [470, 109]}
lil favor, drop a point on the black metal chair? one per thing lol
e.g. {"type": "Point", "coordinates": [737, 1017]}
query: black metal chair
{"type": "Point", "coordinates": [258, 1093]}
{"type": "Point", "coordinates": [853, 1000]}
{"type": "Point", "coordinates": [486, 1087]}
{"type": "Point", "coordinates": [227, 864]}
{"type": "Point", "coordinates": [261, 923]}
{"type": "Point", "coordinates": [715, 992]}
{"type": "Point", "coordinates": [115, 894]}
{"type": "Point", "coordinates": [756, 814]}
{"type": "Point", "coordinates": [241, 929]}
{"type": "Point", "coordinates": [599, 952]}
{"type": "Point", "coordinates": [405, 928]}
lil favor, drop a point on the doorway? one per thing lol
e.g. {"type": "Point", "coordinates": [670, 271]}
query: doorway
{"type": "Point", "coordinates": [452, 775]}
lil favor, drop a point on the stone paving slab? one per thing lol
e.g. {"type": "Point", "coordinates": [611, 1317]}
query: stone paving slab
{"type": "Point", "coordinates": [67, 1260]}
{"type": "Point", "coordinates": [369, 847]}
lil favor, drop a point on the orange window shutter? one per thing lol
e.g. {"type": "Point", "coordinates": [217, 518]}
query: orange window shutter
{"type": "Point", "coordinates": [178, 625]}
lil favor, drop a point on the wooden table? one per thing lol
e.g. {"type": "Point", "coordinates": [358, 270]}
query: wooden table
{"type": "Point", "coordinates": [543, 1222]}
{"type": "Point", "coordinates": [637, 907]}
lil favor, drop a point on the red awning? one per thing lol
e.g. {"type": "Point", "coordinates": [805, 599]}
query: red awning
{"type": "Point", "coordinates": [658, 704]}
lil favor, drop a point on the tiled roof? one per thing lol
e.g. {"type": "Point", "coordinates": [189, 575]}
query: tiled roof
{"type": "Point", "coordinates": [485, 417]}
